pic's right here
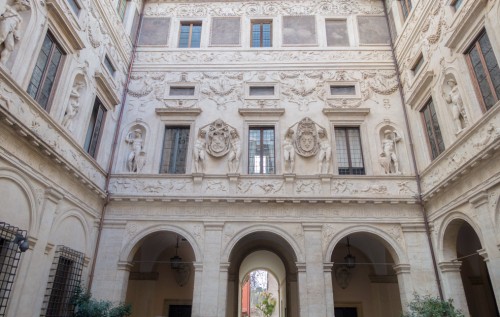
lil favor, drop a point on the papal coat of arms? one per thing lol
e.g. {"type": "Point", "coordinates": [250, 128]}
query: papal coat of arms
{"type": "Point", "coordinates": [219, 141]}
{"type": "Point", "coordinates": [306, 141]}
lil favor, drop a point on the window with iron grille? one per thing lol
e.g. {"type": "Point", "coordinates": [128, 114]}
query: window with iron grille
{"type": "Point", "coordinates": [349, 152]}
{"type": "Point", "coordinates": [174, 152]}
{"type": "Point", "coordinates": [262, 33]}
{"type": "Point", "coordinates": [9, 261]}
{"type": "Point", "coordinates": [95, 128]}
{"type": "Point", "coordinates": [65, 275]}
{"type": "Point", "coordinates": [261, 150]}
{"type": "Point", "coordinates": [486, 73]}
{"type": "Point", "coordinates": [432, 129]}
{"type": "Point", "coordinates": [46, 70]}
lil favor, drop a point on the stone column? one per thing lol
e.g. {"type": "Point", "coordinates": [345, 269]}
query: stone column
{"type": "Point", "coordinates": [198, 276]}
{"type": "Point", "coordinates": [210, 283]}
{"type": "Point", "coordinates": [405, 284]}
{"type": "Point", "coordinates": [330, 303]}
{"type": "Point", "coordinates": [486, 220]}
{"type": "Point", "coordinates": [453, 286]}
{"type": "Point", "coordinates": [314, 269]}
{"type": "Point", "coordinates": [122, 276]}
{"type": "Point", "coordinates": [302, 279]}
{"type": "Point", "coordinates": [38, 268]}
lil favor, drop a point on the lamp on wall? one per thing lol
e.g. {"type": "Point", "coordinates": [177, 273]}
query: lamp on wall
{"type": "Point", "coordinates": [176, 261]}
{"type": "Point", "coordinates": [21, 242]}
{"type": "Point", "coordinates": [350, 260]}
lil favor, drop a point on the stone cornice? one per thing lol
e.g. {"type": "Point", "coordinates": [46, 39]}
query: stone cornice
{"type": "Point", "coordinates": [65, 21]}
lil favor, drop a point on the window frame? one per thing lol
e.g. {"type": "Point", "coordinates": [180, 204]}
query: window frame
{"type": "Point", "coordinates": [261, 22]}
{"type": "Point", "coordinates": [405, 6]}
{"type": "Point", "coordinates": [191, 24]}
{"type": "Point", "coordinates": [121, 9]}
{"type": "Point", "coordinates": [55, 44]}
{"type": "Point", "coordinates": [426, 105]}
{"type": "Point", "coordinates": [178, 126]}
{"type": "Point", "coordinates": [475, 44]}
{"type": "Point", "coordinates": [100, 105]}
{"type": "Point", "coordinates": [348, 149]}
{"type": "Point", "coordinates": [348, 31]}
{"type": "Point", "coordinates": [262, 128]}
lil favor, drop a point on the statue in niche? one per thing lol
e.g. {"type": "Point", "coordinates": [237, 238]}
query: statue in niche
{"type": "Point", "coordinates": [289, 151]}
{"type": "Point", "coordinates": [199, 156]}
{"type": "Point", "coordinates": [454, 99]}
{"type": "Point", "coordinates": [306, 142]}
{"type": "Point", "coordinates": [233, 160]}
{"type": "Point", "coordinates": [10, 27]}
{"type": "Point", "coordinates": [73, 106]}
{"type": "Point", "coordinates": [325, 152]}
{"type": "Point", "coordinates": [218, 138]}
{"type": "Point", "coordinates": [388, 158]}
{"type": "Point", "coordinates": [136, 158]}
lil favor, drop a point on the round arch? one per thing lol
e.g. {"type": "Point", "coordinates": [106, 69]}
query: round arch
{"type": "Point", "coordinates": [229, 247]}
{"type": "Point", "coordinates": [388, 241]}
{"type": "Point", "coordinates": [132, 245]}
{"type": "Point", "coordinates": [75, 214]}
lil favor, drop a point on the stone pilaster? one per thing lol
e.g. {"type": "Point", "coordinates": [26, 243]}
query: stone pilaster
{"type": "Point", "coordinates": [198, 277]}
{"type": "Point", "coordinates": [315, 270]}
{"type": "Point", "coordinates": [302, 280]}
{"type": "Point", "coordinates": [452, 284]}
{"type": "Point", "coordinates": [329, 300]}
{"type": "Point", "coordinates": [405, 284]}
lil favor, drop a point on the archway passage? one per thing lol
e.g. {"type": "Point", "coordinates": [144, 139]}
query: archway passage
{"type": "Point", "coordinates": [270, 253]}
{"type": "Point", "coordinates": [161, 280]}
{"type": "Point", "coordinates": [461, 243]}
{"type": "Point", "coordinates": [363, 278]}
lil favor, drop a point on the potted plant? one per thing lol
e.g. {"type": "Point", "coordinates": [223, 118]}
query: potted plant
{"type": "Point", "coordinates": [428, 306]}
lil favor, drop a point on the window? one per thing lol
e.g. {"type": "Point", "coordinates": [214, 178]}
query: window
{"type": "Point", "coordinates": [45, 72]}
{"type": "Point", "coordinates": [262, 34]}
{"type": "Point", "coordinates": [261, 150]}
{"type": "Point", "coordinates": [418, 64]}
{"type": "Point", "coordinates": [336, 33]}
{"type": "Point", "coordinates": [456, 4]}
{"type": "Point", "coordinates": [175, 147]}
{"type": "Point", "coordinates": [74, 6]}
{"type": "Point", "coordinates": [109, 65]}
{"type": "Point", "coordinates": [261, 91]}
{"type": "Point", "coordinates": [190, 36]}
{"type": "Point", "coordinates": [342, 90]}
{"type": "Point", "coordinates": [95, 128]}
{"type": "Point", "coordinates": [64, 277]}
{"type": "Point", "coordinates": [432, 129]}
{"type": "Point", "coordinates": [484, 66]}
{"type": "Point", "coordinates": [121, 8]}
{"type": "Point", "coordinates": [181, 91]}
{"type": "Point", "coordinates": [405, 7]}
{"type": "Point", "coordinates": [349, 153]}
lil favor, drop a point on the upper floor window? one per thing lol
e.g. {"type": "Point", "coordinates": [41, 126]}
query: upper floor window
{"type": "Point", "coordinates": [418, 64]}
{"type": "Point", "coordinates": [174, 154]}
{"type": "Point", "coordinates": [109, 65]}
{"type": "Point", "coordinates": [46, 70]}
{"type": "Point", "coordinates": [94, 130]}
{"type": "Point", "coordinates": [484, 66]}
{"type": "Point", "coordinates": [336, 33]}
{"type": "Point", "coordinates": [190, 36]}
{"type": "Point", "coordinates": [74, 6]}
{"type": "Point", "coordinates": [349, 153]}
{"type": "Point", "coordinates": [261, 150]}
{"type": "Point", "coordinates": [456, 4]}
{"type": "Point", "coordinates": [433, 132]}
{"type": "Point", "coordinates": [121, 8]}
{"type": "Point", "coordinates": [262, 34]}
{"type": "Point", "coordinates": [405, 7]}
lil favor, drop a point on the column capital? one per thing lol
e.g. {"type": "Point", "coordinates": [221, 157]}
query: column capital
{"type": "Point", "coordinates": [479, 199]}
{"type": "Point", "coordinates": [125, 266]}
{"type": "Point", "coordinates": [327, 266]}
{"type": "Point", "coordinates": [401, 268]}
{"type": "Point", "coordinates": [484, 254]}
{"type": "Point", "coordinates": [301, 266]}
{"type": "Point", "coordinates": [198, 266]}
{"type": "Point", "coordinates": [453, 266]}
{"type": "Point", "coordinates": [53, 195]}
{"type": "Point", "coordinates": [224, 266]}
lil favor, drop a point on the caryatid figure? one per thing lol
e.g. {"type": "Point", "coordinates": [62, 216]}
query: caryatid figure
{"type": "Point", "coordinates": [199, 155]}
{"type": "Point", "coordinates": [289, 151]}
{"type": "Point", "coordinates": [325, 152]}
{"type": "Point", "coordinates": [233, 160]}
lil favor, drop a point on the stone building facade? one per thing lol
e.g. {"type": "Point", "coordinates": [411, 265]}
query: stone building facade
{"type": "Point", "coordinates": [158, 152]}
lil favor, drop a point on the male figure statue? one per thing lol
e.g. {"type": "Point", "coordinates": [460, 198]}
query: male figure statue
{"type": "Point", "coordinates": [10, 24]}
{"type": "Point", "coordinates": [136, 142]}
{"type": "Point", "coordinates": [388, 157]}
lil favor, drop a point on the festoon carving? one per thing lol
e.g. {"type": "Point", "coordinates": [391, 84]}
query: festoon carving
{"type": "Point", "coordinates": [452, 95]}
{"type": "Point", "coordinates": [218, 139]}
{"type": "Point", "coordinates": [10, 26]}
{"type": "Point", "coordinates": [310, 140]}
{"type": "Point", "coordinates": [136, 157]}
{"type": "Point", "coordinates": [388, 158]}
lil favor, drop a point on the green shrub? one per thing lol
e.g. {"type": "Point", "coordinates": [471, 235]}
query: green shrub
{"type": "Point", "coordinates": [428, 306]}
{"type": "Point", "coordinates": [267, 303]}
{"type": "Point", "coordinates": [86, 306]}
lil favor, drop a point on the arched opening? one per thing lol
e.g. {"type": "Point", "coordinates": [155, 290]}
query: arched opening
{"type": "Point", "coordinates": [364, 281]}
{"type": "Point", "coordinates": [461, 244]}
{"type": "Point", "coordinates": [260, 263]}
{"type": "Point", "coordinates": [161, 279]}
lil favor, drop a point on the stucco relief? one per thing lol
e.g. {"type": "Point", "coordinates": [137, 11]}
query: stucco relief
{"type": "Point", "coordinates": [259, 187]}
{"type": "Point", "coordinates": [222, 88]}
{"type": "Point", "coordinates": [10, 26]}
{"type": "Point", "coordinates": [264, 8]}
{"type": "Point", "coordinates": [216, 186]}
{"type": "Point", "coordinates": [308, 187]}
{"type": "Point", "coordinates": [134, 186]}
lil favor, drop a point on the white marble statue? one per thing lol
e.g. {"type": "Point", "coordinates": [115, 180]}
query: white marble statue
{"type": "Point", "coordinates": [325, 152]}
{"type": "Point", "coordinates": [289, 151]}
{"type": "Point", "coordinates": [73, 106]}
{"type": "Point", "coordinates": [10, 24]}
{"type": "Point", "coordinates": [234, 153]}
{"type": "Point", "coordinates": [199, 155]}
{"type": "Point", "coordinates": [457, 105]}
{"type": "Point", "coordinates": [389, 158]}
{"type": "Point", "coordinates": [136, 156]}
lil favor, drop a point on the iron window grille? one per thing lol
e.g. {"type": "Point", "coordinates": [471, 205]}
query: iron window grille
{"type": "Point", "coordinates": [10, 255]}
{"type": "Point", "coordinates": [65, 276]}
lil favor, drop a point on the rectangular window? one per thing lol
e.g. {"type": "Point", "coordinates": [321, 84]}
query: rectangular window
{"type": "Point", "coordinates": [261, 150]}
{"type": "Point", "coordinates": [432, 129]}
{"type": "Point", "coordinates": [342, 90]}
{"type": "Point", "coordinates": [74, 6]}
{"type": "Point", "coordinates": [261, 91]}
{"type": "Point", "coordinates": [109, 65]}
{"type": "Point", "coordinates": [456, 4]}
{"type": "Point", "coordinates": [484, 66]}
{"type": "Point", "coordinates": [95, 128]}
{"type": "Point", "coordinates": [64, 277]}
{"type": "Point", "coordinates": [121, 8]}
{"type": "Point", "coordinates": [418, 64]}
{"type": "Point", "coordinates": [181, 91]}
{"type": "Point", "coordinates": [262, 34]}
{"type": "Point", "coordinates": [175, 147]}
{"type": "Point", "coordinates": [405, 7]}
{"type": "Point", "coordinates": [336, 33]}
{"type": "Point", "coordinates": [190, 36]}
{"type": "Point", "coordinates": [46, 70]}
{"type": "Point", "coordinates": [349, 153]}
